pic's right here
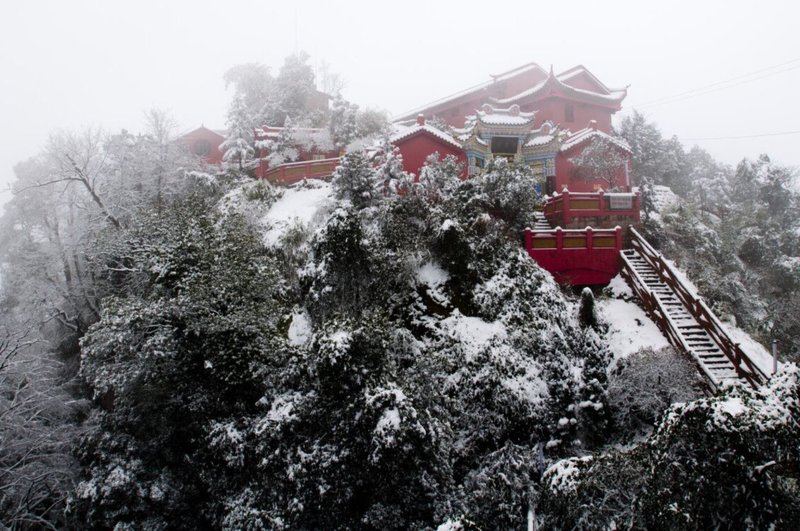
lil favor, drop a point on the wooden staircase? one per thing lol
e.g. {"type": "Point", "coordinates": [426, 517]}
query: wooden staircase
{"type": "Point", "coordinates": [684, 319]}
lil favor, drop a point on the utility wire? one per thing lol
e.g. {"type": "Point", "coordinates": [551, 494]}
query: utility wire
{"type": "Point", "coordinates": [724, 84]}
{"type": "Point", "coordinates": [742, 136]}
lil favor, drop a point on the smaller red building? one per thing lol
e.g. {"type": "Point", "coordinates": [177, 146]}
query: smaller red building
{"type": "Point", "coordinates": [417, 142]}
{"type": "Point", "coordinates": [204, 143]}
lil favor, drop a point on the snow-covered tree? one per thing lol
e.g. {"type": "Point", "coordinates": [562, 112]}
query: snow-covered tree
{"type": "Point", "coordinates": [291, 94]}
{"type": "Point", "coordinates": [721, 462]}
{"type": "Point", "coordinates": [439, 177]}
{"type": "Point", "coordinates": [389, 170]}
{"type": "Point", "coordinates": [37, 425]}
{"type": "Point", "coordinates": [343, 125]}
{"type": "Point", "coordinates": [283, 148]}
{"type": "Point", "coordinates": [237, 149]}
{"type": "Point", "coordinates": [602, 160]}
{"type": "Point", "coordinates": [355, 180]}
{"type": "Point", "coordinates": [509, 191]}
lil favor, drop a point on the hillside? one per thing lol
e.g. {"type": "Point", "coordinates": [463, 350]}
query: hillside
{"type": "Point", "coordinates": [185, 347]}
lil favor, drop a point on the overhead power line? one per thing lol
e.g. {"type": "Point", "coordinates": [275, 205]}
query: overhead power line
{"type": "Point", "coordinates": [725, 84]}
{"type": "Point", "coordinates": [742, 136]}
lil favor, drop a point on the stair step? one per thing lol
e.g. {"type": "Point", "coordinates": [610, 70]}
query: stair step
{"type": "Point", "coordinates": [693, 336]}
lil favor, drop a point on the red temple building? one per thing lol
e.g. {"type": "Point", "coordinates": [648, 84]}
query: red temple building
{"type": "Point", "coordinates": [529, 116]}
{"type": "Point", "coordinates": [546, 122]}
{"type": "Point", "coordinates": [571, 98]}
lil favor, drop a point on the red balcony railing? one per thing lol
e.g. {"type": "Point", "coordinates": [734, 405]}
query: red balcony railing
{"type": "Point", "coordinates": [293, 172]}
{"type": "Point", "coordinates": [562, 209]}
{"type": "Point", "coordinates": [584, 257]}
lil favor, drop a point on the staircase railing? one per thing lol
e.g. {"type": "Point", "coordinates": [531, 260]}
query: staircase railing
{"type": "Point", "coordinates": [744, 366]}
{"type": "Point", "coordinates": [657, 311]}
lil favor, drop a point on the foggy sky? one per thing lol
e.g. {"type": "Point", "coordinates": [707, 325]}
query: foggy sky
{"type": "Point", "coordinates": [78, 63]}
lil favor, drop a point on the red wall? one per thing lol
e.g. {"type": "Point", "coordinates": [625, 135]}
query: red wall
{"type": "Point", "coordinates": [554, 109]}
{"type": "Point", "coordinates": [579, 266]}
{"type": "Point", "coordinates": [416, 148]}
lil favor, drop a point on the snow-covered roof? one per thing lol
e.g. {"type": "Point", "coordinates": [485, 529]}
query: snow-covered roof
{"type": "Point", "coordinates": [579, 137]}
{"type": "Point", "coordinates": [405, 132]}
{"type": "Point", "coordinates": [220, 132]}
{"type": "Point", "coordinates": [475, 88]}
{"type": "Point", "coordinates": [580, 69]}
{"type": "Point", "coordinates": [557, 82]}
{"type": "Point", "coordinates": [540, 140]}
{"type": "Point", "coordinates": [504, 116]}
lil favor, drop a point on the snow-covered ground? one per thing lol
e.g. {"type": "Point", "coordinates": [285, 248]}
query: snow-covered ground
{"type": "Point", "coordinates": [301, 204]}
{"type": "Point", "coordinates": [755, 350]}
{"type": "Point", "coordinates": [629, 327]}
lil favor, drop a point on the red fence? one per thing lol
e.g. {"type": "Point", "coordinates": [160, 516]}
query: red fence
{"type": "Point", "coordinates": [585, 257]}
{"type": "Point", "coordinates": [563, 208]}
{"type": "Point", "coordinates": [293, 172]}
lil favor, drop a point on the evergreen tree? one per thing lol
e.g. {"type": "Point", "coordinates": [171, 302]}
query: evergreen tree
{"type": "Point", "coordinates": [343, 126]}
{"type": "Point", "coordinates": [237, 149]}
{"type": "Point", "coordinates": [355, 180]}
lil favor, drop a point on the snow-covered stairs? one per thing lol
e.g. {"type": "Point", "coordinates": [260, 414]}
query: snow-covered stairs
{"type": "Point", "coordinates": [540, 222]}
{"type": "Point", "coordinates": [685, 329]}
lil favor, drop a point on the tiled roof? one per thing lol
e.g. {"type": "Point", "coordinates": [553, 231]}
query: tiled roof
{"type": "Point", "coordinates": [438, 133]}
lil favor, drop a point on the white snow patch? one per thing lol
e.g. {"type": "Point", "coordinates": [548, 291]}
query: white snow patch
{"type": "Point", "coordinates": [388, 424]}
{"type": "Point", "coordinates": [733, 406]}
{"type": "Point", "coordinates": [529, 386]}
{"type": "Point", "coordinates": [754, 350]}
{"type": "Point", "coordinates": [688, 284]}
{"type": "Point", "coordinates": [618, 288]}
{"type": "Point", "coordinates": [282, 407]}
{"type": "Point", "coordinates": [563, 476]}
{"type": "Point", "coordinates": [434, 277]}
{"type": "Point", "coordinates": [474, 334]}
{"type": "Point", "coordinates": [299, 329]}
{"type": "Point", "coordinates": [281, 411]}
{"type": "Point", "coordinates": [302, 205]}
{"type": "Point", "coordinates": [451, 525]}
{"type": "Point", "coordinates": [630, 329]}
{"type": "Point", "coordinates": [663, 197]}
